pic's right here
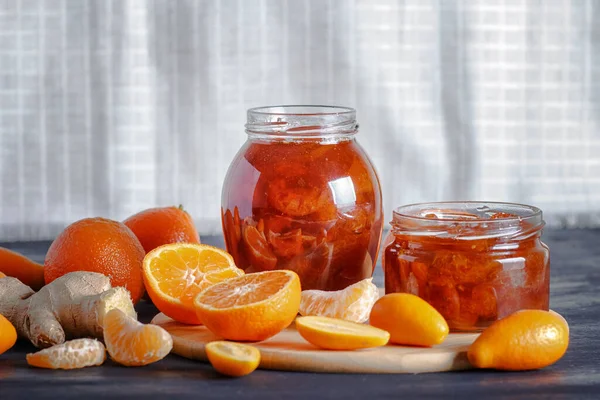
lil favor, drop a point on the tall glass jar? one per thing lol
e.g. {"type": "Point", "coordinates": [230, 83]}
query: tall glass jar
{"type": "Point", "coordinates": [474, 262]}
{"type": "Point", "coordinates": [301, 194]}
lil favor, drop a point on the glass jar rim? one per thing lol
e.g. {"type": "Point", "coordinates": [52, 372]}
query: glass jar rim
{"type": "Point", "coordinates": [298, 110]}
{"type": "Point", "coordinates": [301, 121]}
{"type": "Point", "coordinates": [468, 220]}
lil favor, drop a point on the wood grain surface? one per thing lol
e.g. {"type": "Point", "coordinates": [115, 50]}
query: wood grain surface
{"type": "Point", "coordinates": [288, 351]}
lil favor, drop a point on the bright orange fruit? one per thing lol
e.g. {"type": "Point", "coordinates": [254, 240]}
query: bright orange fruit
{"type": "Point", "coordinates": [232, 359]}
{"type": "Point", "coordinates": [338, 334]}
{"type": "Point", "coordinates": [20, 267]}
{"type": "Point", "coordinates": [163, 225]}
{"type": "Point", "coordinates": [351, 304]}
{"type": "Point", "coordinates": [132, 343]}
{"type": "Point", "coordinates": [98, 245]}
{"type": "Point", "coordinates": [175, 273]}
{"type": "Point", "coordinates": [409, 319]}
{"type": "Point", "coordinates": [77, 353]}
{"type": "Point", "coordinates": [525, 340]}
{"type": "Point", "coordinates": [252, 307]}
{"type": "Point", "coordinates": [8, 334]}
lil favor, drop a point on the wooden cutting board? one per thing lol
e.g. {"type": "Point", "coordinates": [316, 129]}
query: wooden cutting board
{"type": "Point", "coordinates": [288, 351]}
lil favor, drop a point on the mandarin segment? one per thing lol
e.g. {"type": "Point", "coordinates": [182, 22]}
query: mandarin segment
{"type": "Point", "coordinates": [76, 353]}
{"type": "Point", "coordinates": [132, 343]}
{"type": "Point", "coordinates": [174, 275]}
{"type": "Point", "coordinates": [353, 303]}
{"type": "Point", "coordinates": [252, 307]}
{"type": "Point", "coordinates": [232, 359]}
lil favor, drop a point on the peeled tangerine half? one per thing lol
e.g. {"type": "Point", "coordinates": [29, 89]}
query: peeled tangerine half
{"type": "Point", "coordinates": [132, 343]}
{"type": "Point", "coordinates": [77, 353]}
{"type": "Point", "coordinates": [353, 303]}
{"type": "Point", "coordinates": [337, 334]}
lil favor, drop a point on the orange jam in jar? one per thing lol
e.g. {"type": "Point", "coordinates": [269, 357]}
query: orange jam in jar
{"type": "Point", "coordinates": [301, 194]}
{"type": "Point", "coordinates": [474, 262]}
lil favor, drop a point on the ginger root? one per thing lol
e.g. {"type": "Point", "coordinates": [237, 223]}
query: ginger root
{"type": "Point", "coordinates": [72, 306]}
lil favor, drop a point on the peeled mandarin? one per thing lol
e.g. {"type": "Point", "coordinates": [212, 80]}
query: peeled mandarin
{"type": "Point", "coordinates": [409, 319]}
{"type": "Point", "coordinates": [232, 359]}
{"type": "Point", "coordinates": [337, 334]}
{"type": "Point", "coordinates": [525, 340]}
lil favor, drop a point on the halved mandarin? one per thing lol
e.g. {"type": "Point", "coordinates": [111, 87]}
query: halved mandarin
{"type": "Point", "coordinates": [252, 307]}
{"type": "Point", "coordinates": [338, 334]}
{"type": "Point", "coordinates": [175, 273]}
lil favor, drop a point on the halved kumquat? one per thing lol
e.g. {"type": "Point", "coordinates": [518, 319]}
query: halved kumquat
{"type": "Point", "coordinates": [232, 359]}
{"type": "Point", "coordinates": [338, 334]}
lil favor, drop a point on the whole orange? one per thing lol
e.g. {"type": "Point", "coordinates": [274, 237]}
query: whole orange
{"type": "Point", "coordinates": [155, 227]}
{"type": "Point", "coordinates": [98, 245]}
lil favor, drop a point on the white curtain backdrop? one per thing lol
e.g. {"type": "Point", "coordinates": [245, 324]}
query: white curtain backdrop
{"type": "Point", "coordinates": [108, 107]}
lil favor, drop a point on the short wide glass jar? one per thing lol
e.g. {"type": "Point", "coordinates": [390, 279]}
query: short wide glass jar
{"type": "Point", "coordinates": [301, 194]}
{"type": "Point", "coordinates": [474, 262]}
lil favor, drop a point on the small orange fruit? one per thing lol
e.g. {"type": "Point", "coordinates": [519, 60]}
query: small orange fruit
{"type": "Point", "coordinates": [8, 334]}
{"type": "Point", "coordinates": [2, 275]}
{"type": "Point", "coordinates": [77, 353]}
{"type": "Point", "coordinates": [132, 343]}
{"type": "Point", "coordinates": [163, 225]}
{"type": "Point", "coordinates": [232, 359]}
{"type": "Point", "coordinates": [252, 307]}
{"type": "Point", "coordinates": [98, 245]}
{"type": "Point", "coordinates": [338, 334]}
{"type": "Point", "coordinates": [409, 319]}
{"type": "Point", "coordinates": [351, 304]}
{"type": "Point", "coordinates": [174, 274]}
{"type": "Point", "coordinates": [20, 267]}
{"type": "Point", "coordinates": [525, 340]}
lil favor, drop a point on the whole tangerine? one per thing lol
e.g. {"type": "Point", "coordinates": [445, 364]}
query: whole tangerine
{"type": "Point", "coordinates": [158, 226]}
{"type": "Point", "coordinates": [98, 245]}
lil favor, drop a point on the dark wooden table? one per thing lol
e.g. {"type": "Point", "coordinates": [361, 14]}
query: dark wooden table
{"type": "Point", "coordinates": [575, 293]}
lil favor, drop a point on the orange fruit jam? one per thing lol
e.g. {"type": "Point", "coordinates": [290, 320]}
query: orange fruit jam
{"type": "Point", "coordinates": [310, 204]}
{"type": "Point", "coordinates": [474, 262]}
